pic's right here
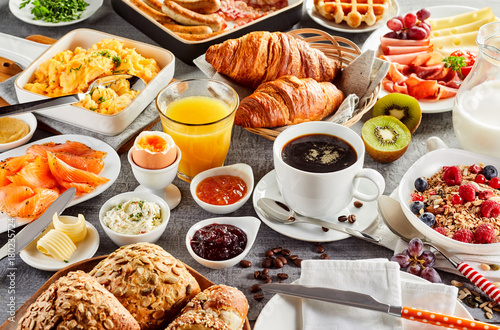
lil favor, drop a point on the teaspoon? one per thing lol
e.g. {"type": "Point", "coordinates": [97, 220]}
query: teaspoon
{"type": "Point", "coordinates": [280, 212]}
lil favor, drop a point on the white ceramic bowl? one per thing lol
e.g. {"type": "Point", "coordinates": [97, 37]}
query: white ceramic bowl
{"type": "Point", "coordinates": [243, 171]}
{"type": "Point", "coordinates": [250, 225]}
{"type": "Point", "coordinates": [123, 239]}
{"type": "Point", "coordinates": [428, 165]}
{"type": "Point", "coordinates": [104, 124]}
{"type": "Point", "coordinates": [29, 119]}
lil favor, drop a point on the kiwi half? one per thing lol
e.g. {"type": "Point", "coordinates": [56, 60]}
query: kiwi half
{"type": "Point", "coordinates": [404, 107]}
{"type": "Point", "coordinates": [386, 138]}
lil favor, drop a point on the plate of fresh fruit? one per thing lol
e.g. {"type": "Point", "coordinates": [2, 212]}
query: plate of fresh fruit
{"type": "Point", "coordinates": [431, 51]}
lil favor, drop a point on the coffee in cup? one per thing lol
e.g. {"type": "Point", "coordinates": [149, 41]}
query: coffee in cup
{"type": "Point", "coordinates": [318, 165]}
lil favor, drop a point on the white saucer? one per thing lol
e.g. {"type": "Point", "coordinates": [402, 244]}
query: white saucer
{"type": "Point", "coordinates": [85, 249]}
{"type": "Point", "coordinates": [171, 194]}
{"type": "Point", "coordinates": [268, 187]}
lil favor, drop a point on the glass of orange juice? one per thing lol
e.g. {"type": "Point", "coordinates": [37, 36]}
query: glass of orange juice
{"type": "Point", "coordinates": [198, 114]}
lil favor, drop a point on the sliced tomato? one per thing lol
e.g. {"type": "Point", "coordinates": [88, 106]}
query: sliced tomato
{"type": "Point", "coordinates": [470, 59]}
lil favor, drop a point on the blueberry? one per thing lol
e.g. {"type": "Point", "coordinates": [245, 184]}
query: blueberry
{"type": "Point", "coordinates": [428, 218]}
{"type": "Point", "coordinates": [416, 206]}
{"type": "Point", "coordinates": [489, 172]}
{"type": "Point", "coordinates": [421, 184]}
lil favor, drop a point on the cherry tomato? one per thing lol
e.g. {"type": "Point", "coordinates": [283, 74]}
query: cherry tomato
{"type": "Point", "coordinates": [470, 59]}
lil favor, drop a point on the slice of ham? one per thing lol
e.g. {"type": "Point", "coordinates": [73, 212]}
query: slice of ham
{"type": "Point", "coordinates": [402, 58]}
{"type": "Point", "coordinates": [431, 72]}
{"type": "Point", "coordinates": [385, 42]}
{"type": "Point", "coordinates": [396, 50]}
{"type": "Point", "coordinates": [422, 89]}
{"type": "Point", "coordinates": [428, 59]}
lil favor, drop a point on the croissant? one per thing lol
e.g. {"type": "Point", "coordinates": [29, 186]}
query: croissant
{"type": "Point", "coordinates": [260, 56]}
{"type": "Point", "coordinates": [287, 101]}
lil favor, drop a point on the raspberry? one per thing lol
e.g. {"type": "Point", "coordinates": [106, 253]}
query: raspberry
{"type": "Point", "coordinates": [475, 169]}
{"type": "Point", "coordinates": [490, 209]}
{"type": "Point", "coordinates": [452, 176]}
{"type": "Point", "coordinates": [463, 235]}
{"type": "Point", "coordinates": [485, 194]}
{"type": "Point", "coordinates": [495, 182]}
{"type": "Point", "coordinates": [485, 233]}
{"type": "Point", "coordinates": [467, 192]}
{"type": "Point", "coordinates": [480, 179]}
{"type": "Point", "coordinates": [456, 199]}
{"type": "Point", "coordinates": [417, 197]}
{"type": "Point", "coordinates": [441, 230]}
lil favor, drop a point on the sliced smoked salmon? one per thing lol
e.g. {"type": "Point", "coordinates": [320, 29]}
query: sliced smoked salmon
{"type": "Point", "coordinates": [91, 164]}
{"type": "Point", "coordinates": [66, 173]}
{"type": "Point", "coordinates": [11, 195]}
{"type": "Point", "coordinates": [35, 174]}
{"type": "Point", "coordinates": [71, 147]}
{"type": "Point", "coordinates": [11, 165]}
{"type": "Point", "coordinates": [34, 206]}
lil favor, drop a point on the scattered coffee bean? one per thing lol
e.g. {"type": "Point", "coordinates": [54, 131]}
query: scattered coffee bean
{"type": "Point", "coordinates": [283, 260]}
{"type": "Point", "coordinates": [245, 263]}
{"type": "Point", "coordinates": [325, 256]}
{"type": "Point", "coordinates": [269, 253]}
{"type": "Point", "coordinates": [265, 271]}
{"type": "Point", "coordinates": [352, 218]}
{"type": "Point", "coordinates": [257, 275]}
{"type": "Point", "coordinates": [282, 276]}
{"type": "Point", "coordinates": [277, 249]}
{"type": "Point", "coordinates": [255, 288]}
{"type": "Point", "coordinates": [265, 277]}
{"type": "Point", "coordinates": [285, 252]}
{"type": "Point", "coordinates": [268, 281]}
{"type": "Point", "coordinates": [267, 263]}
{"type": "Point", "coordinates": [278, 263]}
{"type": "Point", "coordinates": [258, 296]}
{"type": "Point", "coordinates": [320, 249]}
{"type": "Point", "coordinates": [343, 218]}
{"type": "Point", "coordinates": [293, 257]}
{"type": "Point", "coordinates": [325, 229]}
{"type": "Point", "coordinates": [297, 262]}
{"type": "Point", "coordinates": [358, 204]}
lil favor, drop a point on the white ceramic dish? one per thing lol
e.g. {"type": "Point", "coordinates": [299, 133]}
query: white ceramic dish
{"type": "Point", "coordinates": [29, 119]}
{"type": "Point", "coordinates": [111, 169]}
{"type": "Point", "coordinates": [20, 50]}
{"type": "Point", "coordinates": [85, 249]}
{"type": "Point", "coordinates": [284, 312]}
{"type": "Point", "coordinates": [250, 225]}
{"type": "Point", "coordinates": [243, 171]}
{"type": "Point", "coordinates": [25, 14]}
{"type": "Point", "coordinates": [268, 187]}
{"type": "Point", "coordinates": [104, 124]}
{"type": "Point", "coordinates": [344, 27]}
{"type": "Point", "coordinates": [123, 239]}
{"type": "Point", "coordinates": [426, 166]}
{"type": "Point", "coordinates": [373, 42]}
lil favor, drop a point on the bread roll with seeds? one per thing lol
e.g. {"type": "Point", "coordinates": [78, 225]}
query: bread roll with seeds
{"type": "Point", "coordinates": [224, 303]}
{"type": "Point", "coordinates": [77, 301]}
{"type": "Point", "coordinates": [151, 284]}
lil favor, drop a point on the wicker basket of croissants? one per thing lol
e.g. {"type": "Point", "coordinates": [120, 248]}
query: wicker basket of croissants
{"type": "Point", "coordinates": [291, 74]}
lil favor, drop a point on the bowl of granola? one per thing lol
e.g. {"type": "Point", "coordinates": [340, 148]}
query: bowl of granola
{"type": "Point", "coordinates": [452, 197]}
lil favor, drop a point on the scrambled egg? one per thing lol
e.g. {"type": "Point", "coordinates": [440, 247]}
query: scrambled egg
{"type": "Point", "coordinates": [71, 72]}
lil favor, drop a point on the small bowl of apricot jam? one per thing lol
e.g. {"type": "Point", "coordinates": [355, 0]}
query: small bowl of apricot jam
{"type": "Point", "coordinates": [222, 242]}
{"type": "Point", "coordinates": [224, 189]}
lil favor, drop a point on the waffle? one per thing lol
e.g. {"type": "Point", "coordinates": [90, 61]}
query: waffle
{"type": "Point", "coordinates": [354, 12]}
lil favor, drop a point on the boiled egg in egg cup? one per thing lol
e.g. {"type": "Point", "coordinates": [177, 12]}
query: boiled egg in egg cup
{"type": "Point", "coordinates": [155, 159]}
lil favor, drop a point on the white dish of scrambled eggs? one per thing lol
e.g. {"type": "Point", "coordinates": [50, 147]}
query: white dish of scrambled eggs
{"type": "Point", "coordinates": [80, 57]}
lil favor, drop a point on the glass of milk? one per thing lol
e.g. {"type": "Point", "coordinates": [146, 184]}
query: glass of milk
{"type": "Point", "coordinates": [476, 112]}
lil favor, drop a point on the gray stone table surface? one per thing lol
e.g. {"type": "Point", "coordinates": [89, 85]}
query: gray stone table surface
{"type": "Point", "coordinates": [245, 147]}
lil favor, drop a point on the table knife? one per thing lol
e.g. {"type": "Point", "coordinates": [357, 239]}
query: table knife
{"type": "Point", "coordinates": [361, 300]}
{"type": "Point", "coordinates": [33, 229]}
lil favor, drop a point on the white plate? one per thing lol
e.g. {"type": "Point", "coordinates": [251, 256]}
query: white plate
{"type": "Point", "coordinates": [373, 42]}
{"type": "Point", "coordinates": [20, 50]}
{"type": "Point", "coordinates": [29, 119]}
{"type": "Point", "coordinates": [111, 169]}
{"type": "Point", "coordinates": [25, 14]}
{"type": "Point", "coordinates": [85, 249]}
{"type": "Point", "coordinates": [344, 27]}
{"type": "Point", "coordinates": [268, 187]}
{"type": "Point", "coordinates": [284, 312]}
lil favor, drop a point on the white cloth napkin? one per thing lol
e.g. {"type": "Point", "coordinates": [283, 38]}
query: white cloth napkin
{"type": "Point", "coordinates": [379, 278]}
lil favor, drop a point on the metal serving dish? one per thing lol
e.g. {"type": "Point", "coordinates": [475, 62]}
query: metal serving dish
{"type": "Point", "coordinates": [185, 50]}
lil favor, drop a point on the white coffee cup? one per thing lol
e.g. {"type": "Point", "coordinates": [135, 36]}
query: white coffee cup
{"type": "Point", "coordinates": [322, 195]}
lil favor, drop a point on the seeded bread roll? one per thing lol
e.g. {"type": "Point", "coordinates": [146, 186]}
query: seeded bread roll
{"type": "Point", "coordinates": [225, 303]}
{"type": "Point", "coordinates": [151, 284]}
{"type": "Point", "coordinates": [77, 301]}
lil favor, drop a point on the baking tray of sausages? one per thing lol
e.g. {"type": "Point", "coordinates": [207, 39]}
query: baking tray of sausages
{"type": "Point", "coordinates": [186, 50]}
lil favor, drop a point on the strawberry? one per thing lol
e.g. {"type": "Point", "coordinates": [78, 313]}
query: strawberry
{"type": "Point", "coordinates": [452, 176]}
{"type": "Point", "coordinates": [485, 233]}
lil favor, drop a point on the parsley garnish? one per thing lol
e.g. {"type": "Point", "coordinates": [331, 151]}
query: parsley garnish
{"type": "Point", "coordinates": [75, 69]}
{"type": "Point", "coordinates": [101, 99]}
{"type": "Point", "coordinates": [117, 61]}
{"type": "Point", "coordinates": [104, 53]}
{"type": "Point", "coordinates": [55, 11]}
{"type": "Point", "coordinates": [92, 108]}
{"type": "Point", "coordinates": [454, 62]}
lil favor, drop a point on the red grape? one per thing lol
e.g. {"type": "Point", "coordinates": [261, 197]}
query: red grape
{"type": "Point", "coordinates": [395, 24]}
{"type": "Point", "coordinates": [426, 27]}
{"type": "Point", "coordinates": [415, 268]}
{"type": "Point", "coordinates": [410, 20]}
{"type": "Point", "coordinates": [431, 275]}
{"type": "Point", "coordinates": [402, 35]}
{"type": "Point", "coordinates": [402, 259]}
{"type": "Point", "coordinates": [428, 257]}
{"type": "Point", "coordinates": [392, 35]}
{"type": "Point", "coordinates": [423, 14]}
{"type": "Point", "coordinates": [417, 33]}
{"type": "Point", "coordinates": [415, 247]}
{"type": "Point", "coordinates": [399, 18]}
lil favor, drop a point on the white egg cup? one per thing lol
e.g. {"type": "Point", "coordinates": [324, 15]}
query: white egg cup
{"type": "Point", "coordinates": [158, 182]}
